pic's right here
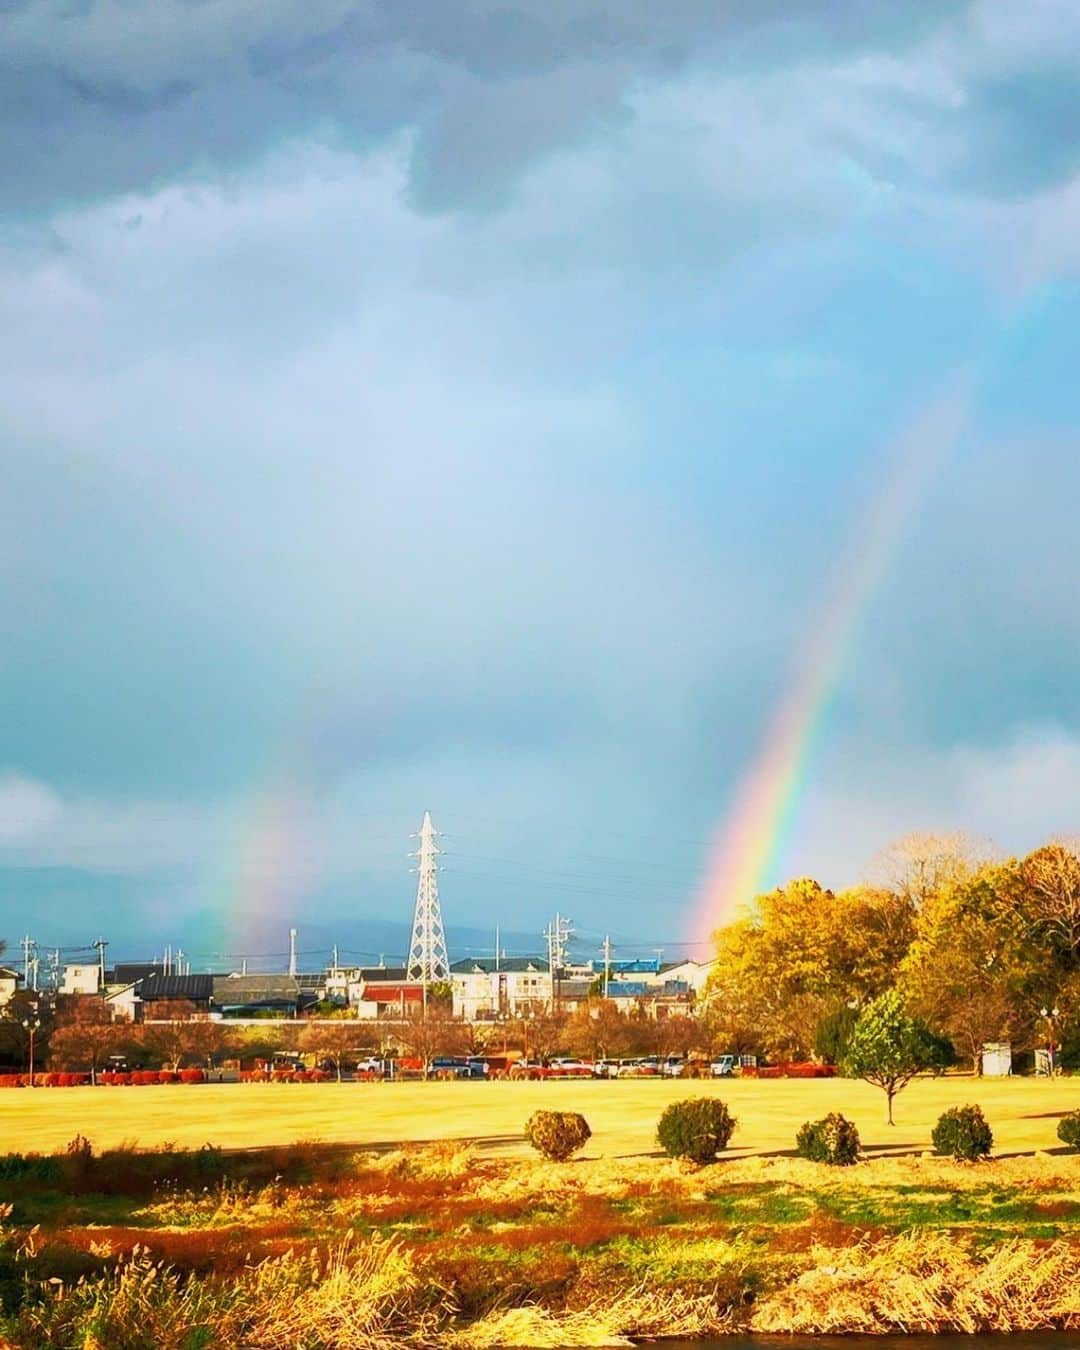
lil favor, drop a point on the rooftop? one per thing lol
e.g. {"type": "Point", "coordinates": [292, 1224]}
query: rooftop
{"type": "Point", "coordinates": [487, 965]}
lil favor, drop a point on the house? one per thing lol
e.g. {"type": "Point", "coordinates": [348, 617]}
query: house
{"type": "Point", "coordinates": [136, 1002]}
{"type": "Point", "coordinates": [484, 988]}
{"type": "Point", "coordinates": [656, 999]}
{"type": "Point", "coordinates": [9, 985]}
{"type": "Point", "coordinates": [82, 979]}
{"type": "Point", "coordinates": [389, 1000]}
{"type": "Point", "coordinates": [258, 995]}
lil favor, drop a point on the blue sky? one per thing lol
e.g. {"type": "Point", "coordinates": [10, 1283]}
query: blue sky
{"type": "Point", "coordinates": [466, 407]}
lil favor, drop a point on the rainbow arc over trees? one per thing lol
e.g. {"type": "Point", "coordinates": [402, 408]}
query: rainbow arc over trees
{"type": "Point", "coordinates": [749, 847]}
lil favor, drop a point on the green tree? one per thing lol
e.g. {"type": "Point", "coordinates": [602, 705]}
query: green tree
{"type": "Point", "coordinates": [888, 1047]}
{"type": "Point", "coordinates": [833, 1033]}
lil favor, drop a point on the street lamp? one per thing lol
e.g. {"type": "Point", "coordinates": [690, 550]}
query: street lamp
{"type": "Point", "coordinates": [1051, 1014]}
{"type": "Point", "coordinates": [32, 1024]}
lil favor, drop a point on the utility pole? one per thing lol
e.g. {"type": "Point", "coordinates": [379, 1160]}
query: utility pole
{"type": "Point", "coordinates": [30, 963]}
{"type": "Point", "coordinates": [558, 936]}
{"type": "Point", "coordinates": [605, 947]}
{"type": "Point", "coordinates": [428, 959]}
{"type": "Point", "coordinates": [292, 952]}
{"type": "Point", "coordinates": [101, 944]}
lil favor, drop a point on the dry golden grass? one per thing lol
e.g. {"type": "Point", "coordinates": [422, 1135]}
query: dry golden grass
{"type": "Point", "coordinates": [623, 1115]}
{"type": "Point", "coordinates": [929, 1282]}
{"type": "Point", "coordinates": [620, 1321]}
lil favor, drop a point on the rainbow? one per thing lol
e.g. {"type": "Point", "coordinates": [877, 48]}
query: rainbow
{"type": "Point", "coordinates": [748, 850]}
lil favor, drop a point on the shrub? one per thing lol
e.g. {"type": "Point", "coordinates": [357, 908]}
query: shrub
{"type": "Point", "coordinates": [830, 1140]}
{"type": "Point", "coordinates": [1068, 1130]}
{"type": "Point", "coordinates": [962, 1132]}
{"type": "Point", "coordinates": [697, 1128]}
{"type": "Point", "coordinates": [192, 1076]}
{"type": "Point", "coordinates": [557, 1134]}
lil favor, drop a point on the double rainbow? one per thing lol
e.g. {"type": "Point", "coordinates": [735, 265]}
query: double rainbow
{"type": "Point", "coordinates": [749, 848]}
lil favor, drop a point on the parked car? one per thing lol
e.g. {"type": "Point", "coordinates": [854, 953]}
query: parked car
{"type": "Point", "coordinates": [570, 1068]}
{"type": "Point", "coordinates": [528, 1068]}
{"type": "Point", "coordinates": [605, 1068]}
{"type": "Point", "coordinates": [648, 1067]}
{"type": "Point", "coordinates": [673, 1066]}
{"type": "Point", "coordinates": [445, 1066]}
{"type": "Point", "coordinates": [370, 1068]}
{"type": "Point", "coordinates": [723, 1066]}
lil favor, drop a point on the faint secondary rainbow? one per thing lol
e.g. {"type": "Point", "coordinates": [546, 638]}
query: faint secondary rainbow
{"type": "Point", "coordinates": [750, 844]}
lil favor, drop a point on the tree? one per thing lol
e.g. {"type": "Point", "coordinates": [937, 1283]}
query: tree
{"type": "Point", "coordinates": [888, 1048]}
{"type": "Point", "coordinates": [335, 1041]}
{"type": "Point", "coordinates": [432, 1033]}
{"type": "Point", "coordinates": [833, 1033]}
{"type": "Point", "coordinates": [974, 971]}
{"type": "Point", "coordinates": [542, 1035]}
{"type": "Point", "coordinates": [673, 1035]}
{"type": "Point", "coordinates": [1051, 879]}
{"type": "Point", "coordinates": [597, 1030]}
{"type": "Point", "coordinates": [85, 1035]}
{"type": "Point", "coordinates": [921, 865]}
{"type": "Point", "coordinates": [800, 953]}
{"type": "Point", "coordinates": [179, 1034]}
{"type": "Point", "coordinates": [23, 1007]}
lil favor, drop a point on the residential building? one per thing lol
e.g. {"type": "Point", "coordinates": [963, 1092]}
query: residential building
{"type": "Point", "coordinates": [484, 988]}
{"type": "Point", "coordinates": [9, 985]}
{"type": "Point", "coordinates": [82, 979]}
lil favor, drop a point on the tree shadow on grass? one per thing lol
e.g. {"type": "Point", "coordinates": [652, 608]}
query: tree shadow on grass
{"type": "Point", "coordinates": [340, 1148]}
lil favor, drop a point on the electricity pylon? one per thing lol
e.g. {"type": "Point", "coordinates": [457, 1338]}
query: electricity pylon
{"type": "Point", "coordinates": [428, 960]}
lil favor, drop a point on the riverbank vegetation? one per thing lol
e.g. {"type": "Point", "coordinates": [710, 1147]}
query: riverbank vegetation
{"type": "Point", "coordinates": [445, 1245]}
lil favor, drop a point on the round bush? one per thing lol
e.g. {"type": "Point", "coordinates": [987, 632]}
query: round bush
{"type": "Point", "coordinates": [831, 1140]}
{"type": "Point", "coordinates": [557, 1134]}
{"type": "Point", "coordinates": [697, 1128]}
{"type": "Point", "coordinates": [963, 1133]}
{"type": "Point", "coordinates": [1068, 1130]}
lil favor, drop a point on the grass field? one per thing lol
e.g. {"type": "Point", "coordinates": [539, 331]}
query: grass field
{"type": "Point", "coordinates": [623, 1115]}
{"type": "Point", "coordinates": [436, 1228]}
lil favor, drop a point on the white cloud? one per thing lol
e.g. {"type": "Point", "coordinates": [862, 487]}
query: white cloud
{"type": "Point", "coordinates": [27, 808]}
{"type": "Point", "coordinates": [1017, 795]}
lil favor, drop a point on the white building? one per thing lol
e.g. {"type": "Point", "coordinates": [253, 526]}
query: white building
{"type": "Point", "coordinates": [82, 979]}
{"type": "Point", "coordinates": [484, 988]}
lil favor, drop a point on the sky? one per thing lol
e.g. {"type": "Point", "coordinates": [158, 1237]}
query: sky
{"type": "Point", "coordinates": [472, 407]}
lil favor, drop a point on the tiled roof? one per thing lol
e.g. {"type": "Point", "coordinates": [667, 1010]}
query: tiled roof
{"type": "Point", "coordinates": [233, 990]}
{"type": "Point", "coordinates": [487, 965]}
{"type": "Point", "coordinates": [197, 988]}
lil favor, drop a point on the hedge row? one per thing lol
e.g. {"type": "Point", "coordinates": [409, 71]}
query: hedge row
{"type": "Point", "coordinates": [14, 1080]}
{"type": "Point", "coordinates": [286, 1076]}
{"type": "Point", "coordinates": [150, 1077]}
{"type": "Point", "coordinates": [701, 1127]}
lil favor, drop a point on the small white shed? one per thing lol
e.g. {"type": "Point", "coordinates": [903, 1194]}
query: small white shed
{"type": "Point", "coordinates": [997, 1059]}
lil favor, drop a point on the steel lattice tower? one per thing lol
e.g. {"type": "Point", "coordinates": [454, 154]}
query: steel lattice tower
{"type": "Point", "coordinates": [428, 960]}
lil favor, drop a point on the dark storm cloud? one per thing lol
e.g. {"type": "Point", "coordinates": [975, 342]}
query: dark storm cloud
{"type": "Point", "coordinates": [106, 98]}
